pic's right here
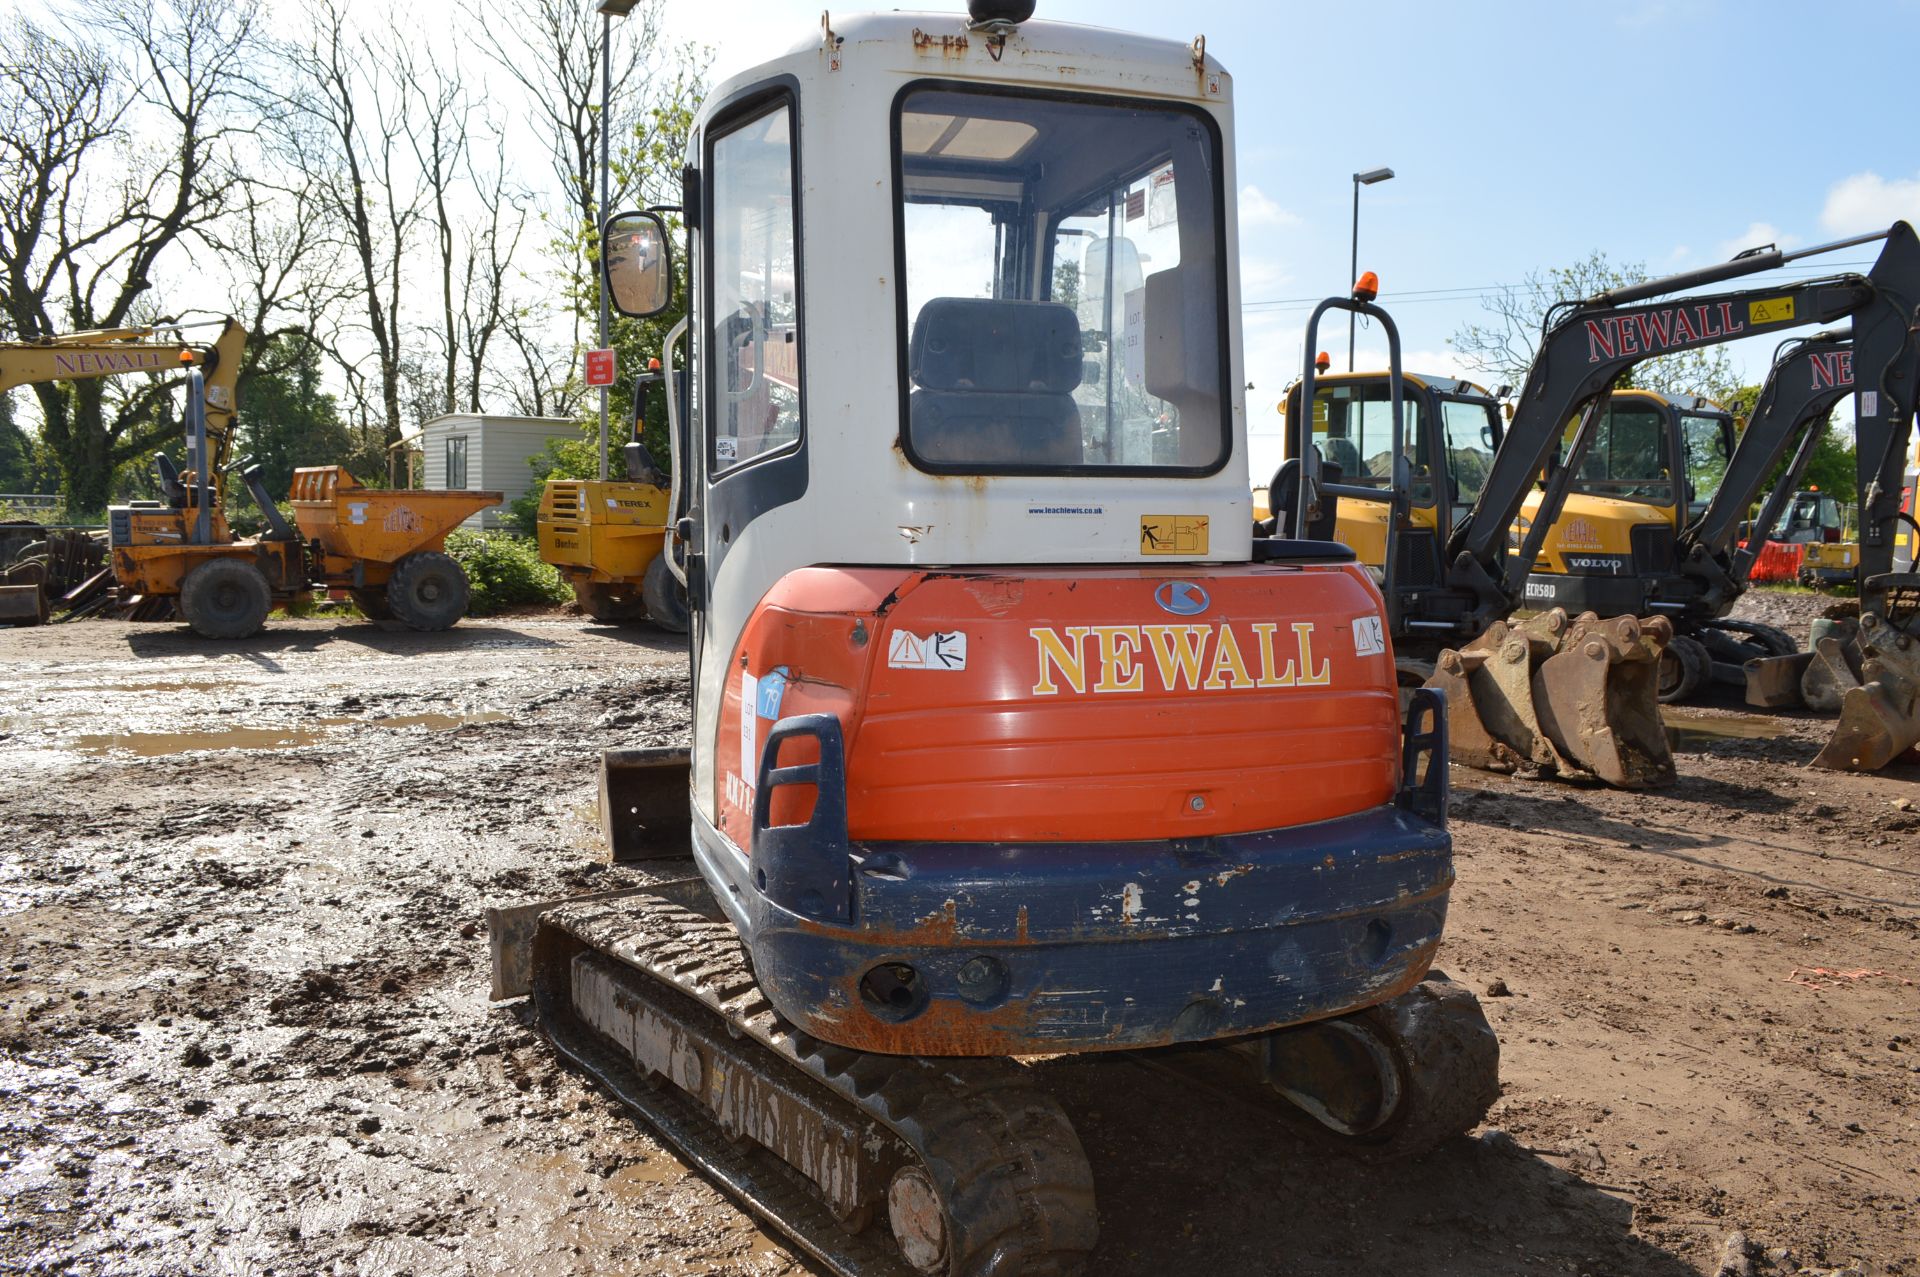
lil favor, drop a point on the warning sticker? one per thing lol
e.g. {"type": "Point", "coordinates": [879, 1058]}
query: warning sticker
{"type": "Point", "coordinates": [1869, 403]}
{"type": "Point", "coordinates": [1771, 310]}
{"type": "Point", "coordinates": [1369, 638]}
{"type": "Point", "coordinates": [1173, 534]}
{"type": "Point", "coordinates": [937, 651]}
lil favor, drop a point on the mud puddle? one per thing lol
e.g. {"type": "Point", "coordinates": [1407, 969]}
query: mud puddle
{"type": "Point", "coordinates": [162, 744]}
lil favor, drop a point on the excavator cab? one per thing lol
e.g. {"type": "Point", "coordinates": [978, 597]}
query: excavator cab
{"type": "Point", "coordinates": [1008, 736]}
{"type": "Point", "coordinates": [1452, 430]}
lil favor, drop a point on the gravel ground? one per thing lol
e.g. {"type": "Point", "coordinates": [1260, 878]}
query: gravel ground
{"type": "Point", "coordinates": [244, 1026]}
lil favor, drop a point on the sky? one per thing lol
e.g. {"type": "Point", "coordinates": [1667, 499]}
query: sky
{"type": "Point", "coordinates": [1523, 136]}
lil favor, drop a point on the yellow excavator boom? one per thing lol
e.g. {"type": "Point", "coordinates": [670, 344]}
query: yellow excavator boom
{"type": "Point", "coordinates": [111, 352]}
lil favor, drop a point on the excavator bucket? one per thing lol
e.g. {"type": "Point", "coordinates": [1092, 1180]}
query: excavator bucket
{"type": "Point", "coordinates": [1880, 716]}
{"type": "Point", "coordinates": [23, 605]}
{"type": "Point", "coordinates": [1834, 671]}
{"type": "Point", "coordinates": [643, 802]}
{"type": "Point", "coordinates": [1549, 696]}
{"type": "Point", "coordinates": [1598, 699]}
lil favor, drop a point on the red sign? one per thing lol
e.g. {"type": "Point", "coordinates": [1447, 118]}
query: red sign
{"type": "Point", "coordinates": [600, 368]}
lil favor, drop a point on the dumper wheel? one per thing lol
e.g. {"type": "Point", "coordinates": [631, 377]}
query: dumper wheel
{"type": "Point", "coordinates": [1685, 668]}
{"type": "Point", "coordinates": [427, 591]}
{"type": "Point", "coordinates": [373, 604]}
{"type": "Point", "coordinates": [226, 599]}
{"type": "Point", "coordinates": [606, 605]}
{"type": "Point", "coordinates": [665, 597]}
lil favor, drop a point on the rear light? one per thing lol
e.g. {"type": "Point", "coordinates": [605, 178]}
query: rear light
{"type": "Point", "coordinates": [1830, 535]}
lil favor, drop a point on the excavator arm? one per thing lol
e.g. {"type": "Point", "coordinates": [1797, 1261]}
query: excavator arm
{"type": "Point", "coordinates": [1587, 345]}
{"type": "Point", "coordinates": [111, 352]}
{"type": "Point", "coordinates": [1808, 378]}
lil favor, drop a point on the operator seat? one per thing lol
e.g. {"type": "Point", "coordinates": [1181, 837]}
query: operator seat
{"type": "Point", "coordinates": [993, 383]}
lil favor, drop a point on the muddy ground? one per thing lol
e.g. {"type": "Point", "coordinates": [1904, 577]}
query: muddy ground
{"type": "Point", "coordinates": [244, 1026]}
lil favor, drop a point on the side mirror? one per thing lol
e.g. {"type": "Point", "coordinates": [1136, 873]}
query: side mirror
{"type": "Point", "coordinates": [638, 259]}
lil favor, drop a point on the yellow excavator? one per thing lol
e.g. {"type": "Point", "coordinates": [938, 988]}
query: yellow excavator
{"type": "Point", "coordinates": [111, 352]}
{"type": "Point", "coordinates": [609, 537]}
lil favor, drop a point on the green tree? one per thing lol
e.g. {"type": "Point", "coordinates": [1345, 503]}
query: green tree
{"type": "Point", "coordinates": [22, 468]}
{"type": "Point", "coordinates": [1503, 347]}
{"type": "Point", "coordinates": [286, 420]}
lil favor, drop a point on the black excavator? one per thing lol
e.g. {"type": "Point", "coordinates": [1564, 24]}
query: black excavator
{"type": "Point", "coordinates": [1518, 700]}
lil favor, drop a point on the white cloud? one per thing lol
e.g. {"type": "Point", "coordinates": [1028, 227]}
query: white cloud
{"type": "Point", "coordinates": [1869, 202]}
{"type": "Point", "coordinates": [1756, 235]}
{"type": "Point", "coordinates": [1259, 210]}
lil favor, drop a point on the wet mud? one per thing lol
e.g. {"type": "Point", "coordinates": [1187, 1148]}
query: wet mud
{"type": "Point", "coordinates": [244, 1023]}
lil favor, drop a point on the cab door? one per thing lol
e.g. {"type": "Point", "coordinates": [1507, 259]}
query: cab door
{"type": "Point", "coordinates": [747, 442]}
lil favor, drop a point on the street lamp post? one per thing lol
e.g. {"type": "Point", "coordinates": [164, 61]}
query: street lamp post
{"type": "Point", "coordinates": [608, 10]}
{"type": "Point", "coordinates": [1367, 178]}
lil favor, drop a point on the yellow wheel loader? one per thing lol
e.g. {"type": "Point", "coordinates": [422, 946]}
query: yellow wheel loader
{"type": "Point", "coordinates": [1009, 738]}
{"type": "Point", "coordinates": [610, 538]}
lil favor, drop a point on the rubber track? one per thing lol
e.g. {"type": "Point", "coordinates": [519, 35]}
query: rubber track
{"type": "Point", "coordinates": [1006, 1160]}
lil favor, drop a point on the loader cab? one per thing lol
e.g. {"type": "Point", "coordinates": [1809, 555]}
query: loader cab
{"type": "Point", "coordinates": [1453, 427]}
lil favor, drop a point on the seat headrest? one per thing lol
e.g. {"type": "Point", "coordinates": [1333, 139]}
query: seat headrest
{"type": "Point", "coordinates": [975, 343]}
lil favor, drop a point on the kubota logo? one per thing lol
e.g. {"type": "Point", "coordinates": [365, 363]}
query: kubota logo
{"type": "Point", "coordinates": [1182, 598]}
{"type": "Point", "coordinates": [1169, 658]}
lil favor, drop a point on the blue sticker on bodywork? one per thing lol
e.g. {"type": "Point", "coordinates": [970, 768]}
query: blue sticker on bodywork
{"type": "Point", "coordinates": [773, 689]}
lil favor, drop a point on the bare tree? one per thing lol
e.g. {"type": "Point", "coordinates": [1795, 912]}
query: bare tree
{"type": "Point", "coordinates": [157, 94]}
{"type": "Point", "coordinates": [1503, 348]}
{"type": "Point", "coordinates": [347, 136]}
{"type": "Point", "coordinates": [552, 48]}
{"type": "Point", "coordinates": [436, 122]}
{"type": "Point", "coordinates": [494, 238]}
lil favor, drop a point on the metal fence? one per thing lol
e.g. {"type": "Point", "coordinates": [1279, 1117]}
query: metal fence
{"type": "Point", "coordinates": [46, 507]}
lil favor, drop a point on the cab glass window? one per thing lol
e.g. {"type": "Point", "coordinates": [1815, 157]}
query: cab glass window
{"type": "Point", "coordinates": [1470, 428]}
{"type": "Point", "coordinates": [1709, 444]}
{"type": "Point", "coordinates": [1353, 428]}
{"type": "Point", "coordinates": [1628, 457]}
{"type": "Point", "coordinates": [1063, 307]}
{"type": "Point", "coordinates": [754, 313]}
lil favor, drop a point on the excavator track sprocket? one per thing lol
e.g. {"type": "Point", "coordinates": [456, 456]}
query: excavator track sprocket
{"type": "Point", "coordinates": [975, 1171]}
{"type": "Point", "coordinates": [1390, 1082]}
{"type": "Point", "coordinates": [1551, 697]}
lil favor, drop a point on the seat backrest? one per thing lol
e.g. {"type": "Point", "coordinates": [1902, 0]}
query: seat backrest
{"type": "Point", "coordinates": [993, 383]}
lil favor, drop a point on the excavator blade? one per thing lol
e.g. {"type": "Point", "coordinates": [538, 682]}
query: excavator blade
{"type": "Point", "coordinates": [23, 605]}
{"type": "Point", "coordinates": [1598, 700]}
{"type": "Point", "coordinates": [1880, 717]}
{"type": "Point", "coordinates": [1549, 696]}
{"type": "Point", "coordinates": [1773, 682]}
{"type": "Point", "coordinates": [643, 802]}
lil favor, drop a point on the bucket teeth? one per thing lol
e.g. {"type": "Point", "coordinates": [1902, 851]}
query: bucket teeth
{"type": "Point", "coordinates": [1879, 715]}
{"type": "Point", "coordinates": [1574, 698]}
